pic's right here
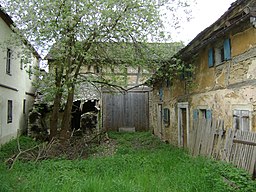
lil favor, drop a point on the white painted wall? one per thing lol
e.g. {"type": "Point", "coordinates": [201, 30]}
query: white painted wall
{"type": "Point", "coordinates": [19, 85]}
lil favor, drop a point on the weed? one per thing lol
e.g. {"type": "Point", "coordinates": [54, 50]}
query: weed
{"type": "Point", "coordinates": [141, 163]}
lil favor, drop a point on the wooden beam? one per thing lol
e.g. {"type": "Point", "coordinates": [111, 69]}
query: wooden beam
{"type": "Point", "coordinates": [244, 142]}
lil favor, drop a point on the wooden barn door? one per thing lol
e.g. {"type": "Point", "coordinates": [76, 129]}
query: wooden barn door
{"type": "Point", "coordinates": [130, 109]}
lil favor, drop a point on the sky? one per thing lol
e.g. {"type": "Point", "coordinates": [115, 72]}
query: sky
{"type": "Point", "coordinates": [204, 13]}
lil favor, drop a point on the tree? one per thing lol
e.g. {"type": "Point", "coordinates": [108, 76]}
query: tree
{"type": "Point", "coordinates": [80, 31]}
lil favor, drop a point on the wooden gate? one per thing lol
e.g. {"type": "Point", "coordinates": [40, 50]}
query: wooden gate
{"type": "Point", "coordinates": [129, 109]}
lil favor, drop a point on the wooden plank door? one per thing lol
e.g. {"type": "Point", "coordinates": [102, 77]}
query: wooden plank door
{"type": "Point", "coordinates": [183, 124]}
{"type": "Point", "coordinates": [184, 127]}
{"type": "Point", "coordinates": [130, 109]}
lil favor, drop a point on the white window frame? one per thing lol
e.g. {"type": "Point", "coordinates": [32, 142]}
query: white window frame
{"type": "Point", "coordinates": [242, 107]}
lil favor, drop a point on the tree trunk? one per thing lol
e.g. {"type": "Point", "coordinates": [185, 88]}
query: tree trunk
{"type": "Point", "coordinates": [56, 103]}
{"type": "Point", "coordinates": [66, 119]}
{"type": "Point", "coordinates": [55, 115]}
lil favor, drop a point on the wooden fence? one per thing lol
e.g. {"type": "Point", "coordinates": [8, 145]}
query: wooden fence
{"type": "Point", "coordinates": [208, 138]}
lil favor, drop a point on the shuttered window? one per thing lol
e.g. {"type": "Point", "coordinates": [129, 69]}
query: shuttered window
{"type": "Point", "coordinates": [241, 120]}
{"type": "Point", "coordinates": [202, 114]}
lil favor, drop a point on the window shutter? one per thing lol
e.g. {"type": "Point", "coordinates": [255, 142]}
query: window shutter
{"type": "Point", "coordinates": [210, 57]}
{"type": "Point", "coordinates": [208, 114]}
{"type": "Point", "coordinates": [195, 114]}
{"type": "Point", "coordinates": [227, 50]}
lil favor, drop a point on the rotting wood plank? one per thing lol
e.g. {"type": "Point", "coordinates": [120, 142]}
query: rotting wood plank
{"type": "Point", "coordinates": [130, 109]}
{"type": "Point", "coordinates": [253, 161]}
{"type": "Point", "coordinates": [200, 136]}
{"type": "Point", "coordinates": [237, 147]}
{"type": "Point", "coordinates": [211, 138]}
{"type": "Point", "coordinates": [246, 142]}
{"type": "Point", "coordinates": [205, 140]}
{"type": "Point", "coordinates": [219, 138]}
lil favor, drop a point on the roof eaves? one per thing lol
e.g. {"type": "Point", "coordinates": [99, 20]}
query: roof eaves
{"type": "Point", "coordinates": [208, 35]}
{"type": "Point", "coordinates": [8, 20]}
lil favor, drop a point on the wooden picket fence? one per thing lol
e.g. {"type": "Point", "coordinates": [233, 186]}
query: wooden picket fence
{"type": "Point", "coordinates": [208, 138]}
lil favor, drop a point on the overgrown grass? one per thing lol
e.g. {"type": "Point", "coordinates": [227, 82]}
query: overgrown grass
{"type": "Point", "coordinates": [142, 163]}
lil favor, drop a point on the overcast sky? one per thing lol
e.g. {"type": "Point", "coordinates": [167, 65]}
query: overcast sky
{"type": "Point", "coordinates": [205, 12]}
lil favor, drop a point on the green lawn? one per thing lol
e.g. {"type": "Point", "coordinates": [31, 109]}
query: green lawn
{"type": "Point", "coordinates": [141, 164]}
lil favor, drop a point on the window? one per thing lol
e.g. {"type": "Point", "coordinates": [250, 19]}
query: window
{"type": "Point", "coordinates": [202, 113]}
{"type": "Point", "coordinates": [24, 106]}
{"type": "Point", "coordinates": [21, 63]}
{"type": "Point", "coordinates": [30, 72]}
{"type": "Point", "coordinates": [241, 120]}
{"type": "Point", "coordinates": [9, 111]}
{"type": "Point", "coordinates": [8, 61]}
{"type": "Point", "coordinates": [96, 69]}
{"type": "Point", "coordinates": [220, 53]}
{"type": "Point", "coordinates": [89, 68]}
{"type": "Point", "coordinates": [166, 118]}
{"type": "Point", "coordinates": [161, 94]}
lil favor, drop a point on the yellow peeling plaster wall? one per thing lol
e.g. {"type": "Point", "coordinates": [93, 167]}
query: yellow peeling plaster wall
{"type": "Point", "coordinates": [222, 88]}
{"type": "Point", "coordinates": [230, 85]}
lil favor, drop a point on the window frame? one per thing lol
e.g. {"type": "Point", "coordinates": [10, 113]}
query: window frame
{"type": "Point", "coordinates": [241, 120]}
{"type": "Point", "coordinates": [243, 107]}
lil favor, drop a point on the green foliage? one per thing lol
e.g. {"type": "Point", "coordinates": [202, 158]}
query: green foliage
{"type": "Point", "coordinates": [142, 163]}
{"type": "Point", "coordinates": [233, 178]}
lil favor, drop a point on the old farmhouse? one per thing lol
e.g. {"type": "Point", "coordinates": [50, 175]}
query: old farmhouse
{"type": "Point", "coordinates": [16, 90]}
{"type": "Point", "coordinates": [222, 84]}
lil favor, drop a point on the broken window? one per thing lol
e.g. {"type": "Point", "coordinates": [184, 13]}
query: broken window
{"type": "Point", "coordinates": [241, 120]}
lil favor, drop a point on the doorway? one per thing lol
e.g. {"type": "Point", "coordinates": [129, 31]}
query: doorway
{"type": "Point", "coordinates": [183, 125]}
